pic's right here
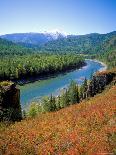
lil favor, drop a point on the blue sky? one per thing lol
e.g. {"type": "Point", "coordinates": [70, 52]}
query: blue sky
{"type": "Point", "coordinates": [71, 16]}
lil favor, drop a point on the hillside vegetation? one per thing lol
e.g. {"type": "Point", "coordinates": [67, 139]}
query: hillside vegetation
{"type": "Point", "coordinates": [93, 43]}
{"type": "Point", "coordinates": [85, 128]}
{"type": "Point", "coordinates": [73, 94]}
{"type": "Point", "coordinates": [8, 48]}
{"type": "Point", "coordinates": [87, 44]}
{"type": "Point", "coordinates": [22, 67]}
{"type": "Point", "coordinates": [17, 62]}
{"type": "Point", "coordinates": [109, 56]}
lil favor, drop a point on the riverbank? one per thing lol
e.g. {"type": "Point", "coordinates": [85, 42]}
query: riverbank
{"type": "Point", "coordinates": [53, 75]}
{"type": "Point", "coordinates": [45, 87]}
{"type": "Point", "coordinates": [49, 75]}
{"type": "Point", "coordinates": [102, 63]}
{"type": "Point", "coordinates": [66, 130]}
{"type": "Point", "coordinates": [100, 70]}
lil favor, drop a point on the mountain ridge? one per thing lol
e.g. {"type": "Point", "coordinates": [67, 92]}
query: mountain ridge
{"type": "Point", "coordinates": [91, 44]}
{"type": "Point", "coordinates": [32, 38]}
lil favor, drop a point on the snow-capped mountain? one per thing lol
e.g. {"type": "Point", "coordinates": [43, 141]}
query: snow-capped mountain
{"type": "Point", "coordinates": [56, 33]}
{"type": "Point", "coordinates": [34, 39]}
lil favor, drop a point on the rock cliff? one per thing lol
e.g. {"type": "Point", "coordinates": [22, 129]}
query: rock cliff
{"type": "Point", "coordinates": [10, 109]}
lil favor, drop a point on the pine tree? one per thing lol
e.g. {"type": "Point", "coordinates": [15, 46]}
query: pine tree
{"type": "Point", "coordinates": [64, 100]}
{"type": "Point", "coordinates": [49, 104]}
{"type": "Point", "coordinates": [45, 104]}
{"type": "Point", "coordinates": [58, 101]}
{"type": "Point", "coordinates": [81, 92]}
{"type": "Point", "coordinates": [91, 87]}
{"type": "Point", "coordinates": [85, 87]}
{"type": "Point", "coordinates": [73, 93]}
{"type": "Point", "coordinates": [52, 103]}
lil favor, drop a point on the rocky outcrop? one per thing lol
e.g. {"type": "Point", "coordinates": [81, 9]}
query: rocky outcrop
{"type": "Point", "coordinates": [99, 81]}
{"type": "Point", "coordinates": [97, 84]}
{"type": "Point", "coordinates": [10, 109]}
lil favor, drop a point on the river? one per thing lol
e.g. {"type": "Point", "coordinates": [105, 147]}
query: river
{"type": "Point", "coordinates": [34, 91]}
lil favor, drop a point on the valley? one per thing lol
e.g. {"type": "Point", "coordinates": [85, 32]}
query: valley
{"type": "Point", "coordinates": [57, 77]}
{"type": "Point", "coordinates": [63, 94]}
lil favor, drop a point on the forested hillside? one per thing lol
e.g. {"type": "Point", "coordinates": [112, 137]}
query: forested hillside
{"type": "Point", "coordinates": [9, 48]}
{"type": "Point", "coordinates": [93, 43]}
{"type": "Point", "coordinates": [109, 56]}
{"type": "Point", "coordinates": [17, 62]}
{"type": "Point", "coordinates": [86, 44]}
{"type": "Point", "coordinates": [68, 130]}
{"type": "Point", "coordinates": [57, 77]}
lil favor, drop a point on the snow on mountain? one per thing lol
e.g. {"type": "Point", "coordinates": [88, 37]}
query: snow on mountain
{"type": "Point", "coordinates": [56, 33]}
{"type": "Point", "coordinates": [34, 38]}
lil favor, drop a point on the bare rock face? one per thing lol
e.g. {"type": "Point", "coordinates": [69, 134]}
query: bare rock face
{"type": "Point", "coordinates": [10, 109]}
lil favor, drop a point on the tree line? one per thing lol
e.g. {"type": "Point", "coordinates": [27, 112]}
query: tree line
{"type": "Point", "coordinates": [31, 65]}
{"type": "Point", "coordinates": [74, 94]}
{"type": "Point", "coordinates": [81, 44]}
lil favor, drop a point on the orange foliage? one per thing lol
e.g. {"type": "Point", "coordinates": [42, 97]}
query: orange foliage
{"type": "Point", "coordinates": [85, 128]}
{"type": "Point", "coordinates": [111, 71]}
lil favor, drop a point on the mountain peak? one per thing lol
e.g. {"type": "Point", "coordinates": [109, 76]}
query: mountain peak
{"type": "Point", "coordinates": [56, 33]}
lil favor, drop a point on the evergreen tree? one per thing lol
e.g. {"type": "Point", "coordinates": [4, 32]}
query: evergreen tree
{"type": "Point", "coordinates": [58, 101]}
{"type": "Point", "coordinates": [81, 92]}
{"type": "Point", "coordinates": [85, 87]}
{"type": "Point", "coordinates": [45, 104]}
{"type": "Point", "coordinates": [49, 104]}
{"type": "Point", "coordinates": [64, 100]}
{"type": "Point", "coordinates": [91, 87]}
{"type": "Point", "coordinates": [73, 93]}
{"type": "Point", "coordinates": [52, 103]}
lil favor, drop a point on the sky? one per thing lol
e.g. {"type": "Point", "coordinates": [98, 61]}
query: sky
{"type": "Point", "coordinates": [70, 16]}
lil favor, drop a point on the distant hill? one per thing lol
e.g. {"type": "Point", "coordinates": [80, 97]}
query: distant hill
{"type": "Point", "coordinates": [109, 56]}
{"type": "Point", "coordinates": [10, 48]}
{"type": "Point", "coordinates": [57, 42]}
{"type": "Point", "coordinates": [88, 44]}
{"type": "Point", "coordinates": [32, 39]}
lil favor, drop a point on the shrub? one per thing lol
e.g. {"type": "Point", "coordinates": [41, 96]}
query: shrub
{"type": "Point", "coordinates": [34, 109]}
{"type": "Point", "coordinates": [48, 104]}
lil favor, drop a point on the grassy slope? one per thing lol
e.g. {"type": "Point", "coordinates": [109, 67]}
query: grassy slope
{"type": "Point", "coordinates": [82, 128]}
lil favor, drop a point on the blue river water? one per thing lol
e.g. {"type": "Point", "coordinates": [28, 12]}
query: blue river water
{"type": "Point", "coordinates": [52, 85]}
